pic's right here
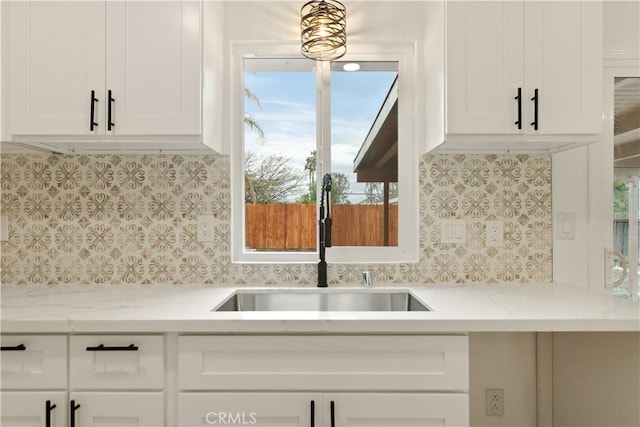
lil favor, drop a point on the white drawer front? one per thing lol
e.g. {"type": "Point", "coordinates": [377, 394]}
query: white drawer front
{"type": "Point", "coordinates": [323, 363]}
{"type": "Point", "coordinates": [114, 366]}
{"type": "Point", "coordinates": [42, 363]}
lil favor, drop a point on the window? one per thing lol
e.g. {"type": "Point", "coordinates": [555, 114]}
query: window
{"type": "Point", "coordinates": [298, 120]}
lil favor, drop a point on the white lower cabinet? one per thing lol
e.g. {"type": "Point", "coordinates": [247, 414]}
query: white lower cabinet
{"type": "Point", "coordinates": [82, 380]}
{"type": "Point", "coordinates": [323, 381]}
{"type": "Point", "coordinates": [116, 409]}
{"type": "Point", "coordinates": [323, 409]}
{"type": "Point", "coordinates": [262, 380]}
{"type": "Point", "coordinates": [33, 409]}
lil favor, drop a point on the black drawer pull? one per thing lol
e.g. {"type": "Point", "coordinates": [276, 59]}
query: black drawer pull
{"type": "Point", "coordinates": [312, 422]}
{"type": "Point", "coordinates": [102, 347]}
{"type": "Point", "coordinates": [535, 99]}
{"type": "Point", "coordinates": [48, 408]}
{"type": "Point", "coordinates": [72, 413]}
{"type": "Point", "coordinates": [110, 122]}
{"type": "Point", "coordinates": [519, 99]}
{"type": "Point", "coordinates": [19, 347]}
{"type": "Point", "coordinates": [333, 414]}
{"type": "Point", "coordinates": [92, 119]}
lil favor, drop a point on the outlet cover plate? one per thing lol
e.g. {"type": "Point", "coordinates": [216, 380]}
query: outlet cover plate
{"type": "Point", "coordinates": [495, 234]}
{"type": "Point", "coordinates": [205, 228]}
{"type": "Point", "coordinates": [495, 402]}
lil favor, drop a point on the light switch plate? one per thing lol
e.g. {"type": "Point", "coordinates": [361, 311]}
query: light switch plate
{"type": "Point", "coordinates": [566, 226]}
{"type": "Point", "coordinates": [453, 231]}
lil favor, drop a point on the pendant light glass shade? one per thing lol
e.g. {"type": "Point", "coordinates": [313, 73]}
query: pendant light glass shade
{"type": "Point", "coordinates": [323, 30]}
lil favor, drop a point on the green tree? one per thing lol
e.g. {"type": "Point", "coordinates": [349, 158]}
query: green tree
{"type": "Point", "coordinates": [309, 197]}
{"type": "Point", "coordinates": [270, 179]}
{"type": "Point", "coordinates": [340, 188]}
{"type": "Point", "coordinates": [374, 192]}
{"type": "Point", "coordinates": [620, 197]}
{"type": "Point", "coordinates": [310, 167]}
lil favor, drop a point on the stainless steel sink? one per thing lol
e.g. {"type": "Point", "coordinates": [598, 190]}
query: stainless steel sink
{"type": "Point", "coordinates": [322, 300]}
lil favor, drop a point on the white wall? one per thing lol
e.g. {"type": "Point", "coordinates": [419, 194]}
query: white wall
{"type": "Point", "coordinates": [569, 193]}
{"type": "Point", "coordinates": [621, 28]}
{"type": "Point", "coordinates": [506, 361]}
{"type": "Point", "coordinates": [583, 183]}
{"type": "Point", "coordinates": [596, 379]}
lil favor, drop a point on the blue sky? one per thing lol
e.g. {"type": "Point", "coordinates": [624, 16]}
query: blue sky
{"type": "Point", "coordinates": [287, 115]}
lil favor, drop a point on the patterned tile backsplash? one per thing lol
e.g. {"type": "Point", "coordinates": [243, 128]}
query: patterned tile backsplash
{"type": "Point", "coordinates": [132, 219]}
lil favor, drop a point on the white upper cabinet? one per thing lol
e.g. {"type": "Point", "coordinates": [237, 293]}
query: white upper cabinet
{"type": "Point", "coordinates": [103, 71]}
{"type": "Point", "coordinates": [56, 59]}
{"type": "Point", "coordinates": [513, 74]}
{"type": "Point", "coordinates": [563, 60]}
{"type": "Point", "coordinates": [485, 66]}
{"type": "Point", "coordinates": [153, 67]}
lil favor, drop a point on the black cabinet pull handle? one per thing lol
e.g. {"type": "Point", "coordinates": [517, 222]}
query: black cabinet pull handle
{"type": "Point", "coordinates": [519, 99]}
{"type": "Point", "coordinates": [333, 414]}
{"type": "Point", "coordinates": [19, 347]}
{"type": "Point", "coordinates": [312, 422]}
{"type": "Point", "coordinates": [534, 123]}
{"type": "Point", "coordinates": [92, 119]}
{"type": "Point", "coordinates": [110, 122]}
{"type": "Point", "coordinates": [48, 408]}
{"type": "Point", "coordinates": [72, 413]}
{"type": "Point", "coordinates": [102, 347]}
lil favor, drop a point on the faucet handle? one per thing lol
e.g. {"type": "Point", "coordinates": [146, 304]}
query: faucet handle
{"type": "Point", "coordinates": [366, 278]}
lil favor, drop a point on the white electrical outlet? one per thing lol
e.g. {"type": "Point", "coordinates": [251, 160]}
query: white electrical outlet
{"type": "Point", "coordinates": [495, 402]}
{"type": "Point", "coordinates": [495, 233]}
{"type": "Point", "coordinates": [205, 228]}
{"type": "Point", "coordinates": [4, 228]}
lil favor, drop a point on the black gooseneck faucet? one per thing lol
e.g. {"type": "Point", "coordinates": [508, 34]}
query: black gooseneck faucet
{"type": "Point", "coordinates": [324, 228]}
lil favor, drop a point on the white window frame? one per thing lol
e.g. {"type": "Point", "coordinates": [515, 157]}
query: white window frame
{"type": "Point", "coordinates": [410, 98]}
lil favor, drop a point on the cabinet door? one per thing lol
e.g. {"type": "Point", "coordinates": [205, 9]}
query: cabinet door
{"type": "Point", "coordinates": [118, 409]}
{"type": "Point", "coordinates": [484, 66]}
{"type": "Point", "coordinates": [563, 45]}
{"type": "Point", "coordinates": [31, 408]}
{"type": "Point", "coordinates": [56, 58]}
{"type": "Point", "coordinates": [257, 409]}
{"type": "Point", "coordinates": [397, 409]}
{"type": "Point", "coordinates": [153, 67]}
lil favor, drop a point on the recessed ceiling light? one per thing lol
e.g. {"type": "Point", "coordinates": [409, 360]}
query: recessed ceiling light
{"type": "Point", "coordinates": [351, 66]}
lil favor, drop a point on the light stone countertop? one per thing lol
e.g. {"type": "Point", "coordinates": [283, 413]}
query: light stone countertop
{"type": "Point", "coordinates": [187, 309]}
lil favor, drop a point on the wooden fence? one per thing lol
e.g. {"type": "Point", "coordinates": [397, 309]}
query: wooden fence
{"type": "Point", "coordinates": [294, 226]}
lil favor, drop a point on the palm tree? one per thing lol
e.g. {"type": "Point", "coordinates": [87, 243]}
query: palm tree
{"type": "Point", "coordinates": [254, 125]}
{"type": "Point", "coordinates": [251, 121]}
{"type": "Point", "coordinates": [310, 165]}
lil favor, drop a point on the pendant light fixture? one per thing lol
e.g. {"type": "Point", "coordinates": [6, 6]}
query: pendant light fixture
{"type": "Point", "coordinates": [323, 30]}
